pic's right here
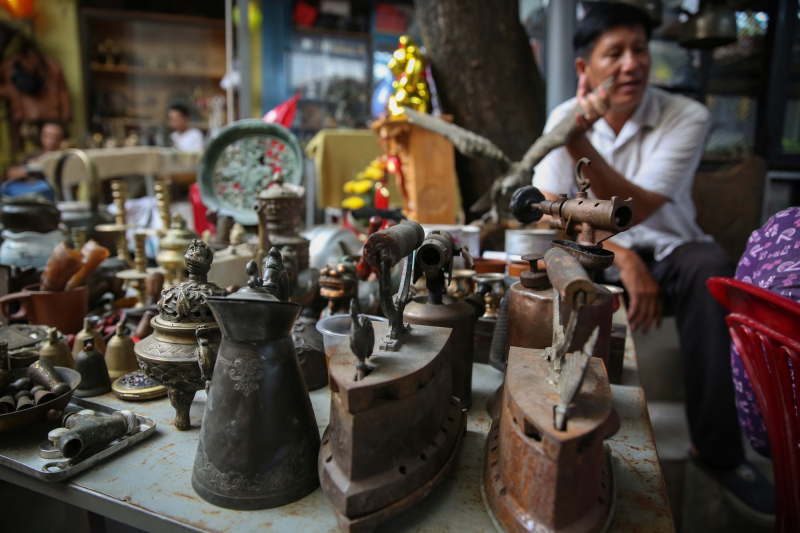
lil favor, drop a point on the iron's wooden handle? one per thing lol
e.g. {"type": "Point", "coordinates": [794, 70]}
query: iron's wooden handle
{"type": "Point", "coordinates": [568, 277]}
{"type": "Point", "coordinates": [395, 243]}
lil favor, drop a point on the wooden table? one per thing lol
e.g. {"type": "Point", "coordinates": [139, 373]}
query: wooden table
{"type": "Point", "coordinates": [149, 486]}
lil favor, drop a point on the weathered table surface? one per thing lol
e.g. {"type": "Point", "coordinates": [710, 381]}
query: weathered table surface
{"type": "Point", "coordinates": [149, 485]}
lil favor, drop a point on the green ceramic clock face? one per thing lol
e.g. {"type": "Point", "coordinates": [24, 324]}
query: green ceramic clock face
{"type": "Point", "coordinates": [241, 160]}
{"type": "Point", "coordinates": [246, 166]}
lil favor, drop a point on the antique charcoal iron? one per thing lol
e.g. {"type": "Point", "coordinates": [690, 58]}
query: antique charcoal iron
{"type": "Point", "coordinates": [259, 439]}
{"type": "Point", "coordinates": [185, 331]}
{"type": "Point", "coordinates": [434, 259]}
{"type": "Point", "coordinates": [532, 301]}
{"type": "Point", "coordinates": [395, 426]}
{"type": "Point", "coordinates": [545, 466]}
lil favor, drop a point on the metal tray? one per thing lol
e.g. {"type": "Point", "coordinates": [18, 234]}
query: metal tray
{"type": "Point", "coordinates": [20, 449]}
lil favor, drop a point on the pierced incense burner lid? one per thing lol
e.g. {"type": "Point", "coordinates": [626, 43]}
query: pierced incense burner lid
{"type": "Point", "coordinates": [181, 309]}
{"type": "Point", "coordinates": [185, 303]}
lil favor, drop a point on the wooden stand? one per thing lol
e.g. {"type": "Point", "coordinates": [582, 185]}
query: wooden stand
{"type": "Point", "coordinates": [428, 167]}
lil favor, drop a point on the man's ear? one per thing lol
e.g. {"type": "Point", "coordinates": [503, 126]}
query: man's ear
{"type": "Point", "coordinates": [581, 65]}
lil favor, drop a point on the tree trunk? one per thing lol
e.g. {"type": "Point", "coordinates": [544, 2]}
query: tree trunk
{"type": "Point", "coordinates": [486, 77]}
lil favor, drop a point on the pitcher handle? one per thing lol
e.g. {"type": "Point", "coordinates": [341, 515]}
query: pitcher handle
{"type": "Point", "coordinates": [206, 357]}
{"type": "Point", "coordinates": [24, 300]}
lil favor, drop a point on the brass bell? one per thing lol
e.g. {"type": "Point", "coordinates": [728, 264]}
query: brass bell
{"type": "Point", "coordinates": [91, 365]}
{"type": "Point", "coordinates": [120, 357]}
{"type": "Point", "coordinates": [56, 351]}
{"type": "Point", "coordinates": [87, 331]}
{"type": "Point", "coordinates": [713, 25]}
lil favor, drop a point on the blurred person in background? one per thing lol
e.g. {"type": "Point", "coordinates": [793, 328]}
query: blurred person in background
{"type": "Point", "coordinates": [183, 137]}
{"type": "Point", "coordinates": [28, 177]}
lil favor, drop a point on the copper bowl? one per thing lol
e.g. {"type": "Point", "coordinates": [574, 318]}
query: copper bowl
{"type": "Point", "coordinates": [51, 410]}
{"type": "Point", "coordinates": [515, 268]}
{"type": "Point", "coordinates": [486, 266]}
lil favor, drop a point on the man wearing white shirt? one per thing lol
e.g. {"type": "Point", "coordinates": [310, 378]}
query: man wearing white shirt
{"type": "Point", "coordinates": [183, 137]}
{"type": "Point", "coordinates": [646, 144]}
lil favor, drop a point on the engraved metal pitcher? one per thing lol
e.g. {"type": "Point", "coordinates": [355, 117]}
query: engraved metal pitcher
{"type": "Point", "coordinates": [259, 439]}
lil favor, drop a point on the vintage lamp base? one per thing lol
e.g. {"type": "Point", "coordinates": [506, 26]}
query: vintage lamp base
{"type": "Point", "coordinates": [609, 482]}
{"type": "Point", "coordinates": [369, 522]}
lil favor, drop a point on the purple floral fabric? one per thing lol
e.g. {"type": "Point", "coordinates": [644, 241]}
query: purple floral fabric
{"type": "Point", "coordinates": [770, 261]}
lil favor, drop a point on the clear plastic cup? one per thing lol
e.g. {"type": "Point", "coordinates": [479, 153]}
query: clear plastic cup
{"type": "Point", "coordinates": [336, 328]}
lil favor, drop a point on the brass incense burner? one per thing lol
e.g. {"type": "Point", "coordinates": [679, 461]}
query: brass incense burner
{"type": "Point", "coordinates": [185, 333]}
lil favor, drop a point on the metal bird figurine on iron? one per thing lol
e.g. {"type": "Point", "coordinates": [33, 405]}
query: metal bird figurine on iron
{"type": "Point", "coordinates": [516, 174]}
{"type": "Point", "coordinates": [362, 341]}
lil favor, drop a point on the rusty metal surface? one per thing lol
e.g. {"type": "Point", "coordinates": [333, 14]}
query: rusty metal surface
{"type": "Point", "coordinates": [537, 477]}
{"type": "Point", "coordinates": [149, 486]}
{"type": "Point", "coordinates": [459, 316]}
{"type": "Point", "coordinates": [568, 277]}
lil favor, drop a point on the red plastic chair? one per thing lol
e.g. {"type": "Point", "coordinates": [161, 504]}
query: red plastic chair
{"type": "Point", "coordinates": [765, 328]}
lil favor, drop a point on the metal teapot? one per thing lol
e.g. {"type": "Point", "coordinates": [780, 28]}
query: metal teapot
{"type": "Point", "coordinates": [260, 397]}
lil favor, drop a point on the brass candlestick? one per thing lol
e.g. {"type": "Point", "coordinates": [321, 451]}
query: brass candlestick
{"type": "Point", "coordinates": [164, 202]}
{"type": "Point", "coordinates": [119, 193]}
{"type": "Point", "coordinates": [135, 277]}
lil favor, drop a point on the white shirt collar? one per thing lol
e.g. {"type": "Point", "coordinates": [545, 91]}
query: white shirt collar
{"type": "Point", "coordinates": [646, 115]}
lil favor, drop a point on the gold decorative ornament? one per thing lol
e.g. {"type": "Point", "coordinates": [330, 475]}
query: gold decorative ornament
{"type": "Point", "coordinates": [410, 85]}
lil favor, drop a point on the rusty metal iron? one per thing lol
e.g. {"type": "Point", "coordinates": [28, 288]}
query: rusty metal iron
{"type": "Point", "coordinates": [394, 433]}
{"type": "Point", "coordinates": [383, 250]}
{"type": "Point", "coordinates": [540, 478]}
{"type": "Point", "coordinates": [434, 259]}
